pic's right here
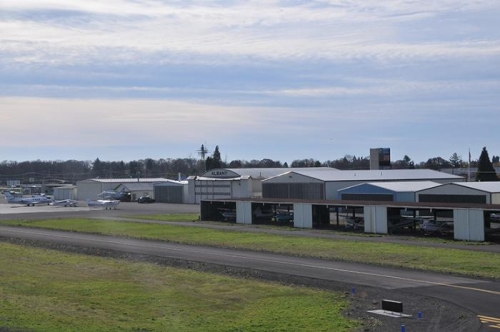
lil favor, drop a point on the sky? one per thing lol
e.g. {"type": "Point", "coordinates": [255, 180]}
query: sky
{"type": "Point", "coordinates": [283, 80]}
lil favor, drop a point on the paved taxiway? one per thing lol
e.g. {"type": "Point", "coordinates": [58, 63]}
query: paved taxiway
{"type": "Point", "coordinates": [480, 296]}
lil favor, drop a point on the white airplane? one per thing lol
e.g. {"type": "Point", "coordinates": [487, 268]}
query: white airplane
{"type": "Point", "coordinates": [354, 222]}
{"type": "Point", "coordinates": [260, 213]}
{"type": "Point", "coordinates": [35, 199]}
{"type": "Point", "coordinates": [106, 203]}
{"type": "Point", "coordinates": [111, 194]}
{"type": "Point", "coordinates": [228, 214]}
{"type": "Point", "coordinates": [65, 202]}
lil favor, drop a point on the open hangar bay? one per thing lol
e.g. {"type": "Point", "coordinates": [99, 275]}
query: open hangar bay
{"type": "Point", "coordinates": [465, 221]}
{"type": "Point", "coordinates": [373, 201]}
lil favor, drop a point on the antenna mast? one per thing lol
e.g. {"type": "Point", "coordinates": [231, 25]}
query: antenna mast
{"type": "Point", "coordinates": [203, 151]}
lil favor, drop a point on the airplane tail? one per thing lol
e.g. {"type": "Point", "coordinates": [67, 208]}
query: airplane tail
{"type": "Point", "coordinates": [8, 196]}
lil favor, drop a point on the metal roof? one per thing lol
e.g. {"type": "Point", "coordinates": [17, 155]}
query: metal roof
{"type": "Point", "coordinates": [487, 186]}
{"type": "Point", "coordinates": [136, 186]}
{"type": "Point", "coordinates": [268, 172]}
{"type": "Point", "coordinates": [127, 180]}
{"type": "Point", "coordinates": [171, 183]}
{"type": "Point", "coordinates": [205, 178]}
{"type": "Point", "coordinates": [400, 186]}
{"type": "Point", "coordinates": [376, 175]}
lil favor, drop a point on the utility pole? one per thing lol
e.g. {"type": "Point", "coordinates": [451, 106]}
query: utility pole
{"type": "Point", "coordinates": [203, 151]}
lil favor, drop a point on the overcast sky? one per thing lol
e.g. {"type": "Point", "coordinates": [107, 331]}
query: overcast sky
{"type": "Point", "coordinates": [284, 80]}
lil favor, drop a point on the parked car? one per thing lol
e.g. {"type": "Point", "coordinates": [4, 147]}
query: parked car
{"type": "Point", "coordinates": [145, 199]}
{"type": "Point", "coordinates": [430, 226]}
{"type": "Point", "coordinates": [284, 217]}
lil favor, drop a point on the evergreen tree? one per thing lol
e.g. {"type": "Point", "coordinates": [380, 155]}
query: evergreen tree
{"type": "Point", "coordinates": [216, 161]}
{"type": "Point", "coordinates": [485, 170]}
{"type": "Point", "coordinates": [97, 168]}
{"type": "Point", "coordinates": [208, 164]}
{"type": "Point", "coordinates": [456, 160]}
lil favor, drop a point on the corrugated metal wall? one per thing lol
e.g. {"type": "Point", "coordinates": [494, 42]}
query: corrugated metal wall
{"type": "Point", "coordinates": [293, 190]}
{"type": "Point", "coordinates": [90, 190]}
{"type": "Point", "coordinates": [65, 193]}
{"type": "Point", "coordinates": [169, 194]}
{"type": "Point", "coordinates": [468, 224]}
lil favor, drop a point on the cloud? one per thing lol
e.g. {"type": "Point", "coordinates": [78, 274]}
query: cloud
{"type": "Point", "coordinates": [246, 73]}
{"type": "Point", "coordinates": [87, 32]}
{"type": "Point", "coordinates": [74, 122]}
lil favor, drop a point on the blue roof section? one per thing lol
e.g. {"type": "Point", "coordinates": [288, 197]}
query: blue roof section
{"type": "Point", "coordinates": [390, 187]}
{"type": "Point", "coordinates": [364, 188]}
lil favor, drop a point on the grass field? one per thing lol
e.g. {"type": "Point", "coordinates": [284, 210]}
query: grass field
{"type": "Point", "coordinates": [46, 290]}
{"type": "Point", "coordinates": [463, 262]}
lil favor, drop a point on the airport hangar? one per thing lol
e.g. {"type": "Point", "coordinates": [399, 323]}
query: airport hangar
{"type": "Point", "coordinates": [313, 194]}
{"type": "Point", "coordinates": [161, 189]}
{"type": "Point", "coordinates": [234, 183]}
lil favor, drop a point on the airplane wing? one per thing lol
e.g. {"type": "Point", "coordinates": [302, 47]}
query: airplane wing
{"type": "Point", "coordinates": [65, 202]}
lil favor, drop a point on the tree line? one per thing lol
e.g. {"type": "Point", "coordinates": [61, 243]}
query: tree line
{"type": "Point", "coordinates": [71, 171]}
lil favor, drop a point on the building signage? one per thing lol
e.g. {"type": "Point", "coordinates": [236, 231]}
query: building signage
{"type": "Point", "coordinates": [221, 173]}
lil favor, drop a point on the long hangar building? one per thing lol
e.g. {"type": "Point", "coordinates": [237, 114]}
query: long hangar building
{"type": "Point", "coordinates": [234, 183]}
{"type": "Point", "coordinates": [311, 193]}
{"type": "Point", "coordinates": [316, 183]}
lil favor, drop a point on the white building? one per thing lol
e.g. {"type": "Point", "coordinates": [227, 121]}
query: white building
{"type": "Point", "coordinates": [462, 192]}
{"type": "Point", "coordinates": [233, 183]}
{"type": "Point", "coordinates": [320, 184]}
{"type": "Point", "coordinates": [405, 191]}
{"type": "Point", "coordinates": [89, 189]}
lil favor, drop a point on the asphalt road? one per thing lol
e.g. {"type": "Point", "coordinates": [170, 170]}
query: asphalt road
{"type": "Point", "coordinates": [479, 296]}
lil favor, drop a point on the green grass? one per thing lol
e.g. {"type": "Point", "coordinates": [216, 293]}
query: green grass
{"type": "Point", "coordinates": [46, 290]}
{"type": "Point", "coordinates": [185, 217]}
{"type": "Point", "coordinates": [464, 262]}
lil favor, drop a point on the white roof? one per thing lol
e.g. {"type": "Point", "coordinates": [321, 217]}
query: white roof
{"type": "Point", "coordinates": [127, 180]}
{"type": "Point", "coordinates": [205, 178]}
{"type": "Point", "coordinates": [264, 172]}
{"type": "Point", "coordinates": [487, 186]}
{"type": "Point", "coordinates": [136, 186]}
{"type": "Point", "coordinates": [171, 183]}
{"type": "Point", "coordinates": [374, 175]}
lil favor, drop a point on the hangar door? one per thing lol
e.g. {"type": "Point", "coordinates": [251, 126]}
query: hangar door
{"type": "Point", "coordinates": [428, 198]}
{"type": "Point", "coordinates": [368, 197]}
{"type": "Point", "coordinates": [293, 190]}
{"type": "Point", "coordinates": [169, 194]}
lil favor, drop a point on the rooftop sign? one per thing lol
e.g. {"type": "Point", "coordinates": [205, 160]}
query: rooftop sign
{"type": "Point", "coordinates": [221, 173]}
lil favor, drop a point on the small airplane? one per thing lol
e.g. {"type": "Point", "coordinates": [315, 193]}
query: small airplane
{"type": "Point", "coordinates": [260, 213]}
{"type": "Point", "coordinates": [431, 226]}
{"type": "Point", "coordinates": [35, 199]}
{"type": "Point", "coordinates": [65, 202]}
{"type": "Point", "coordinates": [354, 222]}
{"type": "Point", "coordinates": [112, 195]}
{"type": "Point", "coordinates": [395, 224]}
{"type": "Point", "coordinates": [228, 214]}
{"type": "Point", "coordinates": [108, 204]}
